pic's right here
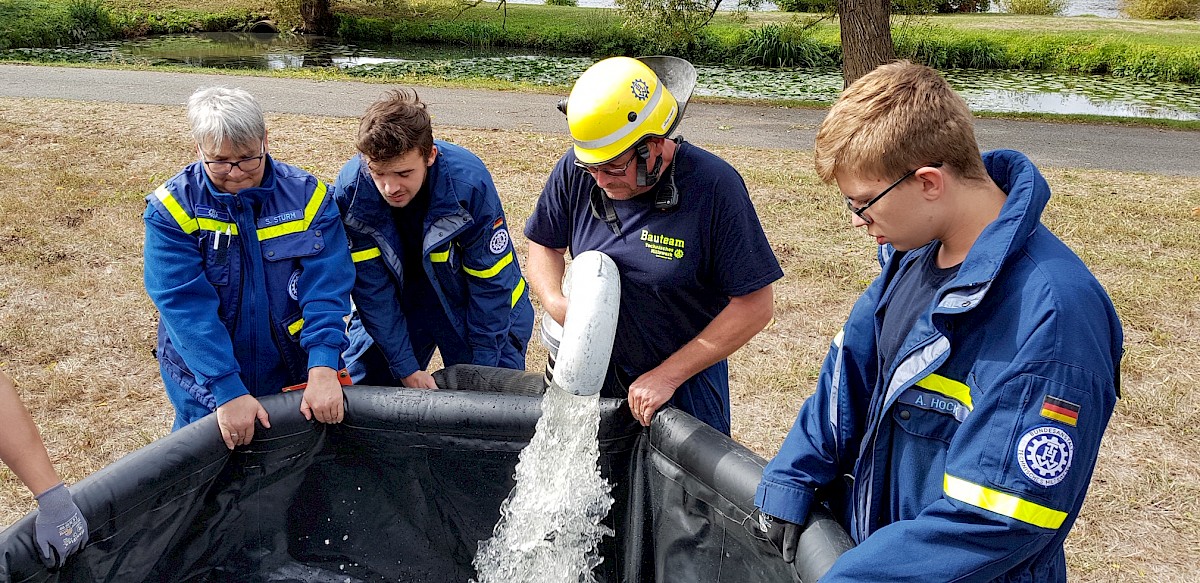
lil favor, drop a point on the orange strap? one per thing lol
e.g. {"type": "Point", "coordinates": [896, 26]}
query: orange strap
{"type": "Point", "coordinates": [343, 377]}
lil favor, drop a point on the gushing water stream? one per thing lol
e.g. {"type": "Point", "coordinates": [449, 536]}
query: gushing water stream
{"type": "Point", "coordinates": [549, 526]}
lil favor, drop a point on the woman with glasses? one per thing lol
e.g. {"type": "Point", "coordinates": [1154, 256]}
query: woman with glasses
{"type": "Point", "coordinates": [247, 262]}
{"type": "Point", "coordinates": [696, 268]}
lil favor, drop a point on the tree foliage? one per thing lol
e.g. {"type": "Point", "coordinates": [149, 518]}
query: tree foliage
{"type": "Point", "coordinates": [670, 26]}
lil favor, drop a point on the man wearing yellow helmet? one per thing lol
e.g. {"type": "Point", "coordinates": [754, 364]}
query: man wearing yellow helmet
{"type": "Point", "coordinates": [696, 268]}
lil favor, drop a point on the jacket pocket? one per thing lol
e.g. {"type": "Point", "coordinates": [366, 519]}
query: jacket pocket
{"type": "Point", "coordinates": [216, 260]}
{"type": "Point", "coordinates": [1044, 450]}
{"type": "Point", "coordinates": [293, 246]}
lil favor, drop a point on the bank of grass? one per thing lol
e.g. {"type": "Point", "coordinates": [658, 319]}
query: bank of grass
{"type": "Point", "coordinates": [51, 23]}
{"type": "Point", "coordinates": [1155, 50]}
{"type": "Point", "coordinates": [76, 329]}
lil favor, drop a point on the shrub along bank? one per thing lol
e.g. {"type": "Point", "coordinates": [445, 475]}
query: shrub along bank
{"type": "Point", "coordinates": [765, 39]}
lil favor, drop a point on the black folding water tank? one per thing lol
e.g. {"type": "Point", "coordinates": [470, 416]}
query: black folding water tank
{"type": "Point", "coordinates": [403, 490]}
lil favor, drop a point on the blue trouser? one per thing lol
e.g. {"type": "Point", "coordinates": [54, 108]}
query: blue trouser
{"type": "Point", "coordinates": [367, 364]}
{"type": "Point", "coordinates": [704, 396]}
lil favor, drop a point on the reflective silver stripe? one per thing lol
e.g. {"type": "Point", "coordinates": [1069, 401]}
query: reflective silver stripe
{"type": "Point", "coordinates": [914, 365]}
{"type": "Point", "coordinates": [835, 385]}
{"type": "Point", "coordinates": [626, 129]}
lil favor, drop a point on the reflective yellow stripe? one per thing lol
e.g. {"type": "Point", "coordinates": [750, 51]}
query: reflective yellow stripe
{"type": "Point", "coordinates": [951, 388]}
{"type": "Point", "coordinates": [365, 254]}
{"type": "Point", "coordinates": [295, 327]}
{"type": "Point", "coordinates": [439, 257]}
{"type": "Point", "coordinates": [218, 226]}
{"type": "Point", "coordinates": [299, 225]}
{"type": "Point", "coordinates": [517, 292]}
{"type": "Point", "coordinates": [1003, 504]}
{"type": "Point", "coordinates": [186, 222]}
{"type": "Point", "coordinates": [493, 270]}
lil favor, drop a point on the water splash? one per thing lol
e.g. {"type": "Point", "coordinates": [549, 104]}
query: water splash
{"type": "Point", "coordinates": [549, 526]}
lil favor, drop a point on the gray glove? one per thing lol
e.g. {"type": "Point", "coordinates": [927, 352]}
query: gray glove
{"type": "Point", "coordinates": [784, 535]}
{"type": "Point", "coordinates": [61, 527]}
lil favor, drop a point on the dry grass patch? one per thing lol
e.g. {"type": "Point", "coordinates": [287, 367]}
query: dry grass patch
{"type": "Point", "coordinates": [76, 329]}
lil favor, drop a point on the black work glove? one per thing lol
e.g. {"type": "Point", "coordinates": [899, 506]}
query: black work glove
{"type": "Point", "coordinates": [784, 535]}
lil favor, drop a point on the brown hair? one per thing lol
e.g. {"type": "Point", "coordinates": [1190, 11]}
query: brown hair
{"type": "Point", "coordinates": [898, 117]}
{"type": "Point", "coordinates": [394, 125]}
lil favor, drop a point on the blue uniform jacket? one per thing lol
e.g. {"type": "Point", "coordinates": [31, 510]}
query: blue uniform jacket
{"type": "Point", "coordinates": [970, 458]}
{"type": "Point", "coordinates": [252, 289]}
{"type": "Point", "coordinates": [467, 255]}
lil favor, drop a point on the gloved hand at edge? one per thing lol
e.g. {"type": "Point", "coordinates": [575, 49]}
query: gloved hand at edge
{"type": "Point", "coordinates": [783, 535]}
{"type": "Point", "coordinates": [61, 528]}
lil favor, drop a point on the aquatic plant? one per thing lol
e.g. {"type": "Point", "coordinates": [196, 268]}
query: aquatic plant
{"type": "Point", "coordinates": [786, 45]}
{"type": "Point", "coordinates": [1034, 7]}
{"type": "Point", "coordinates": [1161, 9]}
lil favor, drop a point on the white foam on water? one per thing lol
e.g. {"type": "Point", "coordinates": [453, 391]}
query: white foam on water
{"type": "Point", "coordinates": [549, 525]}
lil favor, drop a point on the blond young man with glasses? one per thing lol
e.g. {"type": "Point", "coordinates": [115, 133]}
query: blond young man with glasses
{"type": "Point", "coordinates": [247, 262]}
{"type": "Point", "coordinates": [959, 412]}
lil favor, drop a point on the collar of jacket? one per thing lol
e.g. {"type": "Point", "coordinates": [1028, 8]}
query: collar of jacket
{"type": "Point", "coordinates": [367, 206]}
{"type": "Point", "coordinates": [1021, 214]}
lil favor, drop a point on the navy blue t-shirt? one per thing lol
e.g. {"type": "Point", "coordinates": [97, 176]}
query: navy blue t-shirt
{"type": "Point", "coordinates": [678, 267]}
{"type": "Point", "coordinates": [910, 297]}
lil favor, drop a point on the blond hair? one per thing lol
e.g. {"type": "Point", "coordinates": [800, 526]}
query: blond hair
{"type": "Point", "coordinates": [896, 118]}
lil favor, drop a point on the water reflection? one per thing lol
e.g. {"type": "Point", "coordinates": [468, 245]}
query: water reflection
{"type": "Point", "coordinates": [1003, 91]}
{"type": "Point", "coordinates": [1102, 8]}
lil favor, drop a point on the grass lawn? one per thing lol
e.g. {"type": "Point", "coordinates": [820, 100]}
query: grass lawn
{"type": "Point", "coordinates": [76, 328]}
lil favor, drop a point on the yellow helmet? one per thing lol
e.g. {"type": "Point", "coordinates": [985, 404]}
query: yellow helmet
{"type": "Point", "coordinates": [619, 101]}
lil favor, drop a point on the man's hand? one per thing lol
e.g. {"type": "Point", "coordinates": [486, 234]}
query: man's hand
{"type": "Point", "coordinates": [60, 527]}
{"type": "Point", "coordinates": [784, 535]}
{"type": "Point", "coordinates": [323, 396]}
{"type": "Point", "coordinates": [419, 380]}
{"type": "Point", "coordinates": [236, 420]}
{"type": "Point", "coordinates": [649, 393]}
{"type": "Point", "coordinates": [556, 306]}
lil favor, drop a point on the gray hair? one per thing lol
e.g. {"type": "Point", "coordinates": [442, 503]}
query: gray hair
{"type": "Point", "coordinates": [218, 114]}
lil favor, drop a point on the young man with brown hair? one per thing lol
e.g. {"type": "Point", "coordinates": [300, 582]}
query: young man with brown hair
{"type": "Point", "coordinates": [436, 267]}
{"type": "Point", "coordinates": [958, 414]}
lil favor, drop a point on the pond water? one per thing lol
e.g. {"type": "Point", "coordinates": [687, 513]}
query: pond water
{"type": "Point", "coordinates": [1103, 8]}
{"type": "Point", "coordinates": [1000, 91]}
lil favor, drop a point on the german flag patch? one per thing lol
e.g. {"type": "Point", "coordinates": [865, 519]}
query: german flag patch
{"type": "Point", "coordinates": [1060, 410]}
{"type": "Point", "coordinates": [499, 222]}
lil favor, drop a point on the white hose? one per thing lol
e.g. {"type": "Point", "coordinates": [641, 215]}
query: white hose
{"type": "Point", "coordinates": [581, 349]}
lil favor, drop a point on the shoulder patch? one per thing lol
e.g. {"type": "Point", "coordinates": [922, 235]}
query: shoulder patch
{"type": "Point", "coordinates": [1060, 410]}
{"type": "Point", "coordinates": [499, 242]}
{"type": "Point", "coordinates": [1045, 454]}
{"type": "Point", "coordinates": [294, 285]}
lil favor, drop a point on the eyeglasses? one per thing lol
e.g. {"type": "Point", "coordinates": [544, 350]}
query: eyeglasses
{"type": "Point", "coordinates": [606, 168]}
{"type": "Point", "coordinates": [862, 209]}
{"type": "Point", "coordinates": [247, 165]}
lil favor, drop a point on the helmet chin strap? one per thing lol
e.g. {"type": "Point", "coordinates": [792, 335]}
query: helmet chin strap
{"type": "Point", "coordinates": [667, 197]}
{"type": "Point", "coordinates": [647, 177]}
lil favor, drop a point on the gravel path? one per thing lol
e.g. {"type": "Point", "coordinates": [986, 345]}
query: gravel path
{"type": "Point", "coordinates": [1127, 149]}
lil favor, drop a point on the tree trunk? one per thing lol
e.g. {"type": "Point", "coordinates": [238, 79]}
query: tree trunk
{"type": "Point", "coordinates": [866, 36]}
{"type": "Point", "coordinates": [317, 17]}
